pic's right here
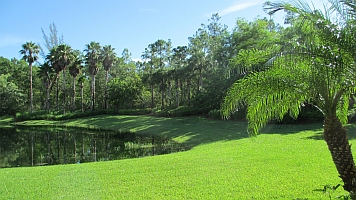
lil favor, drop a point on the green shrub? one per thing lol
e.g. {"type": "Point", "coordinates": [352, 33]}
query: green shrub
{"type": "Point", "coordinates": [181, 111]}
{"type": "Point", "coordinates": [214, 114]}
{"type": "Point", "coordinates": [37, 115]}
{"type": "Point", "coordinates": [308, 114]}
{"type": "Point", "coordinates": [145, 111]}
{"type": "Point", "coordinates": [44, 115]}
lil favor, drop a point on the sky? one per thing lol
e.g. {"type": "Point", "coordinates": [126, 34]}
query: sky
{"type": "Point", "coordinates": [131, 24]}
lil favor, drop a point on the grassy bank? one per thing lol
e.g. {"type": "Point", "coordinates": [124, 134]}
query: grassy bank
{"type": "Point", "coordinates": [284, 162]}
{"type": "Point", "coordinates": [5, 121]}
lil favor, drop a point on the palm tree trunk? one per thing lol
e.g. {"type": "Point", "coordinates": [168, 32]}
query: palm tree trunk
{"type": "Point", "coordinates": [47, 99]}
{"type": "Point", "coordinates": [92, 103]}
{"type": "Point", "coordinates": [49, 90]}
{"type": "Point", "coordinates": [74, 94]}
{"type": "Point", "coordinates": [64, 90]}
{"type": "Point", "coordinates": [82, 95]}
{"type": "Point", "coordinates": [106, 89]}
{"type": "Point", "coordinates": [31, 93]}
{"type": "Point", "coordinates": [336, 138]}
{"type": "Point", "coordinates": [57, 94]}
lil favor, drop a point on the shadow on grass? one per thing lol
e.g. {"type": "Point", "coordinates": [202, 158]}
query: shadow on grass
{"type": "Point", "coordinates": [192, 131]}
{"type": "Point", "coordinates": [285, 129]}
{"type": "Point", "coordinates": [195, 131]}
{"type": "Point", "coordinates": [351, 133]}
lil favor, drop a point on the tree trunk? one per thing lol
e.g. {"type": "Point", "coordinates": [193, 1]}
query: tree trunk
{"type": "Point", "coordinates": [49, 90]}
{"type": "Point", "coordinates": [336, 138]}
{"type": "Point", "coordinates": [177, 92]}
{"type": "Point", "coordinates": [162, 93]}
{"type": "Point", "coordinates": [57, 94]}
{"type": "Point", "coordinates": [106, 90]}
{"type": "Point", "coordinates": [74, 94]}
{"type": "Point", "coordinates": [188, 85]}
{"type": "Point", "coordinates": [82, 95]}
{"type": "Point", "coordinates": [64, 90]}
{"type": "Point", "coordinates": [152, 96]}
{"type": "Point", "coordinates": [31, 93]}
{"type": "Point", "coordinates": [92, 103]}
{"type": "Point", "coordinates": [47, 99]}
{"type": "Point", "coordinates": [200, 81]}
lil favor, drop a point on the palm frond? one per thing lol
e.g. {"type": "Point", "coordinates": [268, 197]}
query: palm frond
{"type": "Point", "coordinates": [268, 95]}
{"type": "Point", "coordinates": [253, 59]}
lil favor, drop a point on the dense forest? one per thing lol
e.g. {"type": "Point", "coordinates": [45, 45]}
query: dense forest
{"type": "Point", "coordinates": [167, 81]}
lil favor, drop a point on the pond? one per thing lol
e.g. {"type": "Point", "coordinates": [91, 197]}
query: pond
{"type": "Point", "coordinates": [34, 146]}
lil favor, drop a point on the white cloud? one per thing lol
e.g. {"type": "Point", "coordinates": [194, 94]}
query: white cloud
{"type": "Point", "coordinates": [10, 40]}
{"type": "Point", "coordinates": [239, 6]}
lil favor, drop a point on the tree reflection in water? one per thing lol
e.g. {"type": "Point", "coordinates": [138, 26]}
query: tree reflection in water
{"type": "Point", "coordinates": [33, 146]}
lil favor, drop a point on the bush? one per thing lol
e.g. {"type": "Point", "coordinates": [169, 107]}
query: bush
{"type": "Point", "coordinates": [181, 111]}
{"type": "Point", "coordinates": [44, 115]}
{"type": "Point", "coordinates": [214, 114]}
{"type": "Point", "coordinates": [308, 114]}
{"type": "Point", "coordinates": [135, 111]}
{"type": "Point", "coordinates": [240, 115]}
{"type": "Point", "coordinates": [37, 115]}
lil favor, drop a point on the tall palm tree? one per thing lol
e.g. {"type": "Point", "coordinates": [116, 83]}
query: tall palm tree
{"type": "Point", "coordinates": [315, 65]}
{"type": "Point", "coordinates": [47, 74]}
{"type": "Point", "coordinates": [74, 70]}
{"type": "Point", "coordinates": [53, 59]}
{"type": "Point", "coordinates": [29, 51]}
{"type": "Point", "coordinates": [81, 81]}
{"type": "Point", "coordinates": [92, 58]}
{"type": "Point", "coordinates": [64, 59]}
{"type": "Point", "coordinates": [109, 57]}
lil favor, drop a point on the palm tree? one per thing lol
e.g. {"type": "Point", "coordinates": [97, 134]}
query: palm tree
{"type": "Point", "coordinates": [109, 57]}
{"type": "Point", "coordinates": [64, 60]}
{"type": "Point", "coordinates": [74, 70]}
{"type": "Point", "coordinates": [47, 75]}
{"type": "Point", "coordinates": [81, 81]}
{"type": "Point", "coordinates": [53, 59]}
{"type": "Point", "coordinates": [60, 58]}
{"type": "Point", "coordinates": [92, 58]}
{"type": "Point", "coordinates": [315, 65]}
{"type": "Point", "coordinates": [29, 51]}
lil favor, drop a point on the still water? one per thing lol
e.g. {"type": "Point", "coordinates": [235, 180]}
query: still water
{"type": "Point", "coordinates": [33, 146]}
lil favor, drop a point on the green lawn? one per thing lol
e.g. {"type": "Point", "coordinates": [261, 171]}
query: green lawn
{"type": "Point", "coordinates": [284, 162]}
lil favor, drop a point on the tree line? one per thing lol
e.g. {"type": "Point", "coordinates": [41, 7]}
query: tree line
{"type": "Point", "coordinates": [193, 77]}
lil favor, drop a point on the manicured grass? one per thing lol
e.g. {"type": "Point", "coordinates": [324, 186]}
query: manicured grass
{"type": "Point", "coordinates": [284, 162]}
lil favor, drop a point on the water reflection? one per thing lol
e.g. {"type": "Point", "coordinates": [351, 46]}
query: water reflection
{"type": "Point", "coordinates": [32, 146]}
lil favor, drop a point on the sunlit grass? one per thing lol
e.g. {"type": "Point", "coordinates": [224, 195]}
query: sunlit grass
{"type": "Point", "coordinates": [284, 162]}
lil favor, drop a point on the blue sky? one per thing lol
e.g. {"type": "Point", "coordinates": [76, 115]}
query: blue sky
{"type": "Point", "coordinates": [131, 24]}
